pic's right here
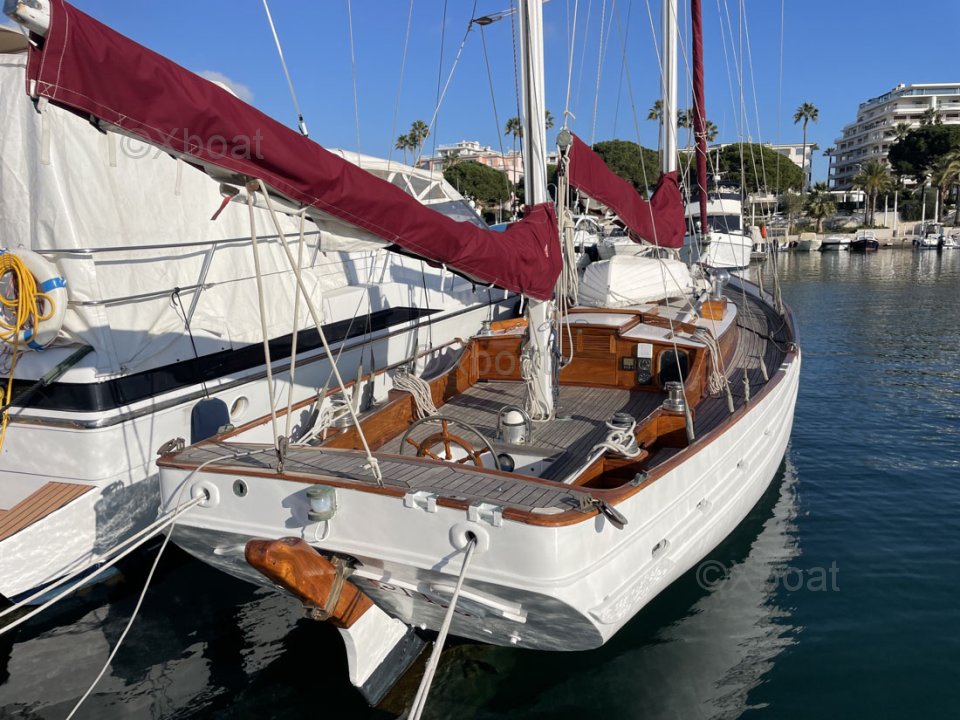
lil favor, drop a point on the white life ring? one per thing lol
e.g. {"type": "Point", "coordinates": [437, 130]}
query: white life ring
{"type": "Point", "coordinates": [54, 287]}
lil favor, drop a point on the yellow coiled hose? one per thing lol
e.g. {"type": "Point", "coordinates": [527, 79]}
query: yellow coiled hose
{"type": "Point", "coordinates": [18, 313]}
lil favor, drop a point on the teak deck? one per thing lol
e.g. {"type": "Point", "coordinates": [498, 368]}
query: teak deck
{"type": "Point", "coordinates": [760, 336]}
{"type": "Point", "coordinates": [49, 498]}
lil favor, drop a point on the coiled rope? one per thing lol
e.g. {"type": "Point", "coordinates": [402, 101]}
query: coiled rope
{"type": "Point", "coordinates": [419, 389]}
{"type": "Point", "coordinates": [619, 440]}
{"type": "Point", "coordinates": [17, 314]}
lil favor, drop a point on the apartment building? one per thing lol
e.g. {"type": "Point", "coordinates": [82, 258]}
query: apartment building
{"type": "Point", "coordinates": [870, 136]}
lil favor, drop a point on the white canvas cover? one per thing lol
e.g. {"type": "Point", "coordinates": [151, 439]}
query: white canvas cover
{"type": "Point", "coordinates": [68, 187]}
{"type": "Point", "coordinates": [625, 280]}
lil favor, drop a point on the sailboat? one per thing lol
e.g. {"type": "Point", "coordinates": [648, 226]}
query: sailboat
{"type": "Point", "coordinates": [155, 327]}
{"type": "Point", "coordinates": [534, 485]}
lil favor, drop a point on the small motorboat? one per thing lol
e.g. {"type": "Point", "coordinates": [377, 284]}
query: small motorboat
{"type": "Point", "coordinates": [865, 242]}
{"type": "Point", "coordinates": [808, 242]}
{"type": "Point", "coordinates": [950, 242]}
{"type": "Point", "coordinates": [835, 242]}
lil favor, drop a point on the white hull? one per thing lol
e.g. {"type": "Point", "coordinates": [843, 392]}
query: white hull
{"type": "Point", "coordinates": [570, 587]}
{"type": "Point", "coordinates": [724, 250]}
{"type": "Point", "coordinates": [834, 243]}
{"type": "Point", "coordinates": [808, 245]}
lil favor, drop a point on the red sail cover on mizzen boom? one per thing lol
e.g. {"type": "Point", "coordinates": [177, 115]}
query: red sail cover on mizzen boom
{"type": "Point", "coordinates": [659, 221]}
{"type": "Point", "coordinates": [87, 67]}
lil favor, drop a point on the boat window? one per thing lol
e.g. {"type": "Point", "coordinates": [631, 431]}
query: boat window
{"type": "Point", "coordinates": [673, 366]}
{"type": "Point", "coordinates": [724, 223]}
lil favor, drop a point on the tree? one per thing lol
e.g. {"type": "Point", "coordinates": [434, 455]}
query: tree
{"type": "Point", "coordinates": [419, 131]}
{"type": "Point", "coordinates": [547, 119]}
{"type": "Point", "coordinates": [946, 175]}
{"type": "Point", "coordinates": [711, 131]}
{"type": "Point", "coordinates": [806, 112]}
{"type": "Point", "coordinates": [514, 128]}
{"type": "Point", "coordinates": [638, 165]}
{"type": "Point", "coordinates": [791, 204]}
{"type": "Point", "coordinates": [755, 159]}
{"type": "Point", "coordinates": [487, 186]}
{"type": "Point", "coordinates": [901, 129]}
{"type": "Point", "coordinates": [656, 111]}
{"type": "Point", "coordinates": [931, 116]}
{"type": "Point", "coordinates": [820, 204]}
{"type": "Point", "coordinates": [918, 152]}
{"type": "Point", "coordinates": [403, 143]}
{"type": "Point", "coordinates": [873, 178]}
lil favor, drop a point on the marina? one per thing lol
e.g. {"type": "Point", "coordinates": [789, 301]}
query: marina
{"type": "Point", "coordinates": [763, 626]}
{"type": "Point", "coordinates": [391, 428]}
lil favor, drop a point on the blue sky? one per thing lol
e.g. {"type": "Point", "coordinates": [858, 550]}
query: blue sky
{"type": "Point", "coordinates": [835, 55]}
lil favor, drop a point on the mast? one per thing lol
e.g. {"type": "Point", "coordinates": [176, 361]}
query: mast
{"type": "Point", "coordinates": [699, 111]}
{"type": "Point", "coordinates": [668, 85]}
{"type": "Point", "coordinates": [538, 351]}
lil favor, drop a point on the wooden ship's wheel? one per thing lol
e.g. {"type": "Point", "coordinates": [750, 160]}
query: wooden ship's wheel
{"type": "Point", "coordinates": [444, 445]}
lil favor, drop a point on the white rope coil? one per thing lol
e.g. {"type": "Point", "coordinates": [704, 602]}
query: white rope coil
{"type": "Point", "coordinates": [717, 380]}
{"type": "Point", "coordinates": [619, 440]}
{"type": "Point", "coordinates": [419, 389]}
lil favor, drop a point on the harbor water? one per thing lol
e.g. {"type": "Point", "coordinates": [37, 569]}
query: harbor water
{"type": "Point", "coordinates": [837, 597]}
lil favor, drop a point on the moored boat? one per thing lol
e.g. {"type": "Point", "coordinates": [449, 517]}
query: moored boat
{"type": "Point", "coordinates": [534, 485]}
{"type": "Point", "coordinates": [832, 243]}
{"type": "Point", "coordinates": [865, 242]}
{"type": "Point", "coordinates": [153, 326]}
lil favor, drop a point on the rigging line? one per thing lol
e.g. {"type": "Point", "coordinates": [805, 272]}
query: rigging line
{"type": "Point", "coordinates": [446, 86]}
{"type": "Point", "coordinates": [430, 128]}
{"type": "Point", "coordinates": [516, 62]}
{"type": "Point", "coordinates": [596, 93]}
{"type": "Point", "coordinates": [296, 329]}
{"type": "Point", "coordinates": [616, 108]}
{"type": "Point", "coordinates": [396, 107]}
{"type": "Point", "coordinates": [756, 106]}
{"type": "Point", "coordinates": [372, 463]}
{"type": "Point", "coordinates": [493, 98]}
{"type": "Point", "coordinates": [353, 73]}
{"type": "Point", "coordinates": [263, 313]}
{"type": "Point", "coordinates": [583, 58]}
{"type": "Point", "coordinates": [571, 45]}
{"type": "Point", "coordinates": [780, 95]}
{"type": "Point", "coordinates": [175, 295]}
{"type": "Point", "coordinates": [276, 39]}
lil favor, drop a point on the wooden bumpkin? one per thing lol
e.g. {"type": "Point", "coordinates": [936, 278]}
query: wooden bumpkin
{"type": "Point", "coordinates": [295, 566]}
{"type": "Point", "coordinates": [380, 649]}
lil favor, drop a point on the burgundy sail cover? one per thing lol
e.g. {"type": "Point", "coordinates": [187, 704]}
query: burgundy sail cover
{"type": "Point", "coordinates": [86, 67]}
{"type": "Point", "coordinates": [659, 221]}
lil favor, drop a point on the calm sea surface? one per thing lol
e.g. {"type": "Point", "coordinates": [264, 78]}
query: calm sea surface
{"type": "Point", "coordinates": [837, 597]}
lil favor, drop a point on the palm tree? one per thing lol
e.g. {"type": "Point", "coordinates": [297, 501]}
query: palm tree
{"type": "Point", "coordinates": [901, 130]}
{"type": "Point", "coordinates": [547, 119]}
{"type": "Point", "coordinates": [931, 116]}
{"type": "Point", "coordinates": [806, 112]}
{"type": "Point", "coordinates": [514, 128]}
{"type": "Point", "coordinates": [711, 131]}
{"type": "Point", "coordinates": [873, 178]}
{"type": "Point", "coordinates": [656, 111]}
{"type": "Point", "coordinates": [946, 175]}
{"type": "Point", "coordinates": [419, 131]}
{"type": "Point", "coordinates": [820, 204]}
{"type": "Point", "coordinates": [404, 143]}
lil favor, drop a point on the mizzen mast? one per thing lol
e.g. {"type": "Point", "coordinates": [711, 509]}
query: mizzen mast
{"type": "Point", "coordinates": [699, 112]}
